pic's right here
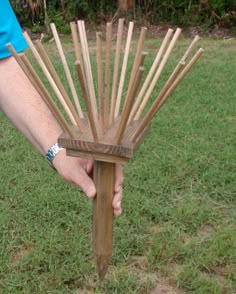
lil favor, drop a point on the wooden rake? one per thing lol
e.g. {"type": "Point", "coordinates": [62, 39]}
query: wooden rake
{"type": "Point", "coordinates": [107, 133]}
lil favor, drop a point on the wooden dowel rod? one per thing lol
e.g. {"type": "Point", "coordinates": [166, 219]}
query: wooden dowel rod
{"type": "Point", "coordinates": [108, 73]}
{"type": "Point", "coordinates": [141, 62]}
{"type": "Point", "coordinates": [159, 102]}
{"type": "Point", "coordinates": [100, 80]}
{"type": "Point", "coordinates": [138, 57]}
{"type": "Point", "coordinates": [157, 75]}
{"type": "Point", "coordinates": [177, 69]}
{"type": "Point", "coordinates": [142, 58]}
{"type": "Point", "coordinates": [86, 100]}
{"type": "Point", "coordinates": [40, 88]}
{"type": "Point", "coordinates": [52, 106]}
{"type": "Point", "coordinates": [58, 82]}
{"type": "Point", "coordinates": [104, 179]}
{"type": "Point", "coordinates": [66, 69]}
{"type": "Point", "coordinates": [49, 78]}
{"type": "Point", "coordinates": [94, 102]}
{"type": "Point", "coordinates": [124, 68]}
{"type": "Point", "coordinates": [76, 43]}
{"type": "Point", "coordinates": [116, 67]}
{"type": "Point", "coordinates": [190, 48]}
{"type": "Point", "coordinates": [87, 67]}
{"type": "Point", "coordinates": [128, 105]}
{"type": "Point", "coordinates": [150, 74]}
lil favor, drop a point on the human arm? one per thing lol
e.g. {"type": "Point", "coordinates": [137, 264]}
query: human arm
{"type": "Point", "coordinates": [25, 108]}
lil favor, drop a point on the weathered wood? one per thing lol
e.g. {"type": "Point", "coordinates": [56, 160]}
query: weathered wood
{"type": "Point", "coordinates": [104, 179]}
{"type": "Point", "coordinates": [106, 149]}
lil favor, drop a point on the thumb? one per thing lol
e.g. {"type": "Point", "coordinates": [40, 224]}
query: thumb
{"type": "Point", "coordinates": [86, 184]}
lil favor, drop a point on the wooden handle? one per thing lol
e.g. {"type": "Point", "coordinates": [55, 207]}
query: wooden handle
{"type": "Point", "coordinates": [104, 178]}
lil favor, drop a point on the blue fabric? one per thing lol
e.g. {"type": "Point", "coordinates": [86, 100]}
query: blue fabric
{"type": "Point", "coordinates": [10, 30]}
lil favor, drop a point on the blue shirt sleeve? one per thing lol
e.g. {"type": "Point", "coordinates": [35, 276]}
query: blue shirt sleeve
{"type": "Point", "coordinates": [10, 30]}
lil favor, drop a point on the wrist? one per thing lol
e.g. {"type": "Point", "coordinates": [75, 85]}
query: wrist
{"type": "Point", "coordinates": [52, 153]}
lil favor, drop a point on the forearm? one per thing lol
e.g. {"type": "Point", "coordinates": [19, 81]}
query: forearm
{"type": "Point", "coordinates": [25, 108]}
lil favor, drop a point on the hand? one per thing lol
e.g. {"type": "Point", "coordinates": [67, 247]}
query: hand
{"type": "Point", "coordinates": [78, 172]}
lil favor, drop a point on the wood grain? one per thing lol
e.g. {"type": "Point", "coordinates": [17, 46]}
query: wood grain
{"type": "Point", "coordinates": [104, 179]}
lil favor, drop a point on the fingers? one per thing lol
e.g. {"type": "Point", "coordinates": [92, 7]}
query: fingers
{"type": "Point", "coordinates": [74, 170]}
{"type": "Point", "coordinates": [119, 179]}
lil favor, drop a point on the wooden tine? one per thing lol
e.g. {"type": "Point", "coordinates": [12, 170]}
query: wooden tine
{"type": "Point", "coordinates": [190, 48]}
{"type": "Point", "coordinates": [179, 67]}
{"type": "Point", "coordinates": [87, 67]}
{"type": "Point", "coordinates": [137, 58]}
{"type": "Point", "coordinates": [58, 82]}
{"type": "Point", "coordinates": [150, 74]}
{"type": "Point", "coordinates": [108, 73]}
{"type": "Point", "coordinates": [123, 70]}
{"type": "Point", "coordinates": [94, 101]}
{"type": "Point", "coordinates": [128, 105]}
{"type": "Point", "coordinates": [76, 43]}
{"type": "Point", "coordinates": [40, 88]}
{"type": "Point", "coordinates": [161, 100]}
{"type": "Point", "coordinates": [50, 80]}
{"type": "Point", "coordinates": [116, 67]}
{"type": "Point", "coordinates": [158, 74]}
{"type": "Point", "coordinates": [86, 100]}
{"type": "Point", "coordinates": [66, 69]}
{"type": "Point", "coordinates": [100, 80]}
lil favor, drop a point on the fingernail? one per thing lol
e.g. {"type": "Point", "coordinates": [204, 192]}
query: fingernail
{"type": "Point", "coordinates": [118, 205]}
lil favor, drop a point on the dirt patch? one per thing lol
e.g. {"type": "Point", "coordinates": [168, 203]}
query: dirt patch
{"type": "Point", "coordinates": [139, 262]}
{"type": "Point", "coordinates": [206, 230]}
{"type": "Point", "coordinates": [20, 253]}
{"type": "Point", "coordinates": [164, 286]}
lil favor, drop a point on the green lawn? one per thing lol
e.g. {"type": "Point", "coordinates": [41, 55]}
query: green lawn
{"type": "Point", "coordinates": [178, 230]}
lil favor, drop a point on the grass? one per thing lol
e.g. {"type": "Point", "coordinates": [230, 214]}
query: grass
{"type": "Point", "coordinates": [178, 229]}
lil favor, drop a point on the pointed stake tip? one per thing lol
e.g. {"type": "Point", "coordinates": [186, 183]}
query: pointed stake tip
{"type": "Point", "coordinates": [102, 266]}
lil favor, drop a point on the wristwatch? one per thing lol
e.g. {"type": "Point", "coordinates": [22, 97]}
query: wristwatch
{"type": "Point", "coordinates": [52, 152]}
